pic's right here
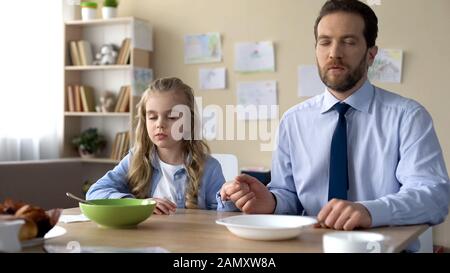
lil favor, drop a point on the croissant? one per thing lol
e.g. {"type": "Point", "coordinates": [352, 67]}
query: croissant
{"type": "Point", "coordinates": [28, 231]}
{"type": "Point", "coordinates": [32, 213]}
{"type": "Point", "coordinates": [38, 217]}
{"type": "Point", "coordinates": [37, 221]}
{"type": "Point", "coordinates": [10, 206]}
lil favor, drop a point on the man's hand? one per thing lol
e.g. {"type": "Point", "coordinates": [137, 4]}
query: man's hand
{"type": "Point", "coordinates": [164, 206]}
{"type": "Point", "coordinates": [344, 215]}
{"type": "Point", "coordinates": [248, 194]}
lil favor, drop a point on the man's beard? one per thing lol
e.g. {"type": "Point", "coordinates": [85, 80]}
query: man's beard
{"type": "Point", "coordinates": [349, 81]}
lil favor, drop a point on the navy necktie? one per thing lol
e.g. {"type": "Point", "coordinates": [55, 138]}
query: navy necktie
{"type": "Point", "coordinates": [338, 156]}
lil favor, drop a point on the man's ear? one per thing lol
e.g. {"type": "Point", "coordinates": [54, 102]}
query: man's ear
{"type": "Point", "coordinates": [372, 52]}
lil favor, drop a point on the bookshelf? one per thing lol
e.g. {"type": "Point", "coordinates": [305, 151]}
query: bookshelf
{"type": "Point", "coordinates": [79, 112]}
{"type": "Point", "coordinates": [97, 67]}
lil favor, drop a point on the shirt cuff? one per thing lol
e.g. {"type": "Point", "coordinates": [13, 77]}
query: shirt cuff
{"type": "Point", "coordinates": [119, 195]}
{"type": "Point", "coordinates": [225, 205]}
{"type": "Point", "coordinates": [380, 213]}
{"type": "Point", "coordinates": [281, 206]}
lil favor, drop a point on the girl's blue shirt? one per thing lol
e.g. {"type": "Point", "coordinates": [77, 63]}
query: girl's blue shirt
{"type": "Point", "coordinates": [114, 184]}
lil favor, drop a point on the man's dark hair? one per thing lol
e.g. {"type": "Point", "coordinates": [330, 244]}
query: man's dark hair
{"type": "Point", "coordinates": [356, 7]}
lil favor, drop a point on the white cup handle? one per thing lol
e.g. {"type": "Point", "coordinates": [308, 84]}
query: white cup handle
{"type": "Point", "coordinates": [387, 245]}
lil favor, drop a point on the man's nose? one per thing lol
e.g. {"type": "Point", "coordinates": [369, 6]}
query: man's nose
{"type": "Point", "coordinates": [335, 51]}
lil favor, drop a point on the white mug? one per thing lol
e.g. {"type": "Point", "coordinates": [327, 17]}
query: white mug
{"type": "Point", "coordinates": [9, 235]}
{"type": "Point", "coordinates": [355, 242]}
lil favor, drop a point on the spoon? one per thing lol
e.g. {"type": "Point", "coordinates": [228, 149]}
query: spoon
{"type": "Point", "coordinates": [78, 199]}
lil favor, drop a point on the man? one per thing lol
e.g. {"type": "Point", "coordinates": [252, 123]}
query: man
{"type": "Point", "coordinates": [355, 156]}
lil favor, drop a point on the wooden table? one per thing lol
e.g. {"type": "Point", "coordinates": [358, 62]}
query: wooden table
{"type": "Point", "coordinates": [196, 231]}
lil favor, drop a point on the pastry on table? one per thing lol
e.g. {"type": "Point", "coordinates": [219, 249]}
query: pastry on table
{"type": "Point", "coordinates": [37, 221]}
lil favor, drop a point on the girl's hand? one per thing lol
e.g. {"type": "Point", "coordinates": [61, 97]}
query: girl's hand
{"type": "Point", "coordinates": [249, 195]}
{"type": "Point", "coordinates": [164, 206]}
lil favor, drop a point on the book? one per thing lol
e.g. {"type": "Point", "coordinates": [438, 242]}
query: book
{"type": "Point", "coordinates": [78, 103]}
{"type": "Point", "coordinates": [127, 57]}
{"type": "Point", "coordinates": [70, 99]}
{"type": "Point", "coordinates": [121, 50]}
{"type": "Point", "coordinates": [87, 98]}
{"type": "Point", "coordinates": [123, 148]}
{"type": "Point", "coordinates": [114, 147]}
{"type": "Point", "coordinates": [74, 54]}
{"type": "Point", "coordinates": [121, 145]}
{"type": "Point", "coordinates": [119, 100]}
{"type": "Point", "coordinates": [124, 52]}
{"type": "Point", "coordinates": [127, 144]}
{"type": "Point", "coordinates": [81, 53]}
{"type": "Point", "coordinates": [125, 103]}
{"type": "Point", "coordinates": [85, 50]}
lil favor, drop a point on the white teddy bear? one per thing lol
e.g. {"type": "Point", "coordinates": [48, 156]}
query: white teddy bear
{"type": "Point", "coordinates": [107, 102]}
{"type": "Point", "coordinates": [107, 55]}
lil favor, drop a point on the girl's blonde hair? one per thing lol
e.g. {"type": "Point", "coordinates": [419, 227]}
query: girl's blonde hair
{"type": "Point", "coordinates": [195, 150]}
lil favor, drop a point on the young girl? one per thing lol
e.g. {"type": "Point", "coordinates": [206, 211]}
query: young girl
{"type": "Point", "coordinates": [175, 171]}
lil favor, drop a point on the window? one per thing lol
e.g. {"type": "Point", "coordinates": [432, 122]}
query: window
{"type": "Point", "coordinates": [31, 80]}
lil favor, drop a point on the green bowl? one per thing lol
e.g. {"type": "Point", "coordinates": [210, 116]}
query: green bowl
{"type": "Point", "coordinates": [118, 213]}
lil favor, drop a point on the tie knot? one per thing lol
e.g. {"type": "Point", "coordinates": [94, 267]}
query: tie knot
{"type": "Point", "coordinates": [342, 108]}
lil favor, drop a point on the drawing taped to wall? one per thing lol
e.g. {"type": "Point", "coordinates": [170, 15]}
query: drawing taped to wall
{"type": "Point", "coordinates": [387, 66]}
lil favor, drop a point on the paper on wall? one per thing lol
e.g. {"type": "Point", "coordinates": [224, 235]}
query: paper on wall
{"type": "Point", "coordinates": [257, 100]}
{"type": "Point", "coordinates": [212, 78]}
{"type": "Point", "coordinates": [202, 48]}
{"type": "Point", "coordinates": [209, 123]}
{"type": "Point", "coordinates": [254, 57]}
{"type": "Point", "coordinates": [387, 66]}
{"type": "Point", "coordinates": [142, 77]}
{"type": "Point", "coordinates": [374, 2]}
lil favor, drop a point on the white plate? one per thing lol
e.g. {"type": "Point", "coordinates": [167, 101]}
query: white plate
{"type": "Point", "coordinates": [56, 231]}
{"type": "Point", "coordinates": [267, 226]}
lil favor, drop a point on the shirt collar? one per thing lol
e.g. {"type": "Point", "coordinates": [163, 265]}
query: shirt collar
{"type": "Point", "coordinates": [154, 159]}
{"type": "Point", "coordinates": [359, 100]}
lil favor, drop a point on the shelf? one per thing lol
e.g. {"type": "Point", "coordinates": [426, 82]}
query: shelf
{"type": "Point", "coordinates": [96, 114]}
{"type": "Point", "coordinates": [113, 21]}
{"type": "Point", "coordinates": [97, 67]}
{"type": "Point", "coordinates": [67, 159]}
{"type": "Point", "coordinates": [103, 79]}
{"type": "Point", "coordinates": [99, 160]}
{"type": "Point", "coordinates": [86, 160]}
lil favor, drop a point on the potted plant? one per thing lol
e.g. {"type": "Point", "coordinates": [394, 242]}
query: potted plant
{"type": "Point", "coordinates": [86, 185]}
{"type": "Point", "coordinates": [88, 10]}
{"type": "Point", "coordinates": [89, 143]}
{"type": "Point", "coordinates": [109, 9]}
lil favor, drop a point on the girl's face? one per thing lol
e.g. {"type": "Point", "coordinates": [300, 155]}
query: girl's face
{"type": "Point", "coordinates": [161, 114]}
